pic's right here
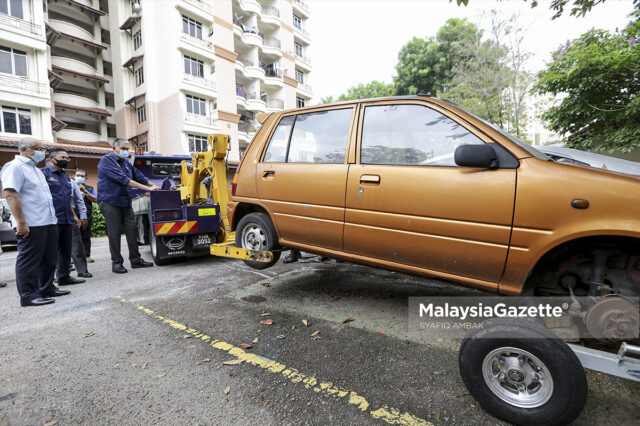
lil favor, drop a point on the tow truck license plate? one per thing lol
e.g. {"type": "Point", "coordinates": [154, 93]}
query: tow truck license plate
{"type": "Point", "coordinates": [201, 240]}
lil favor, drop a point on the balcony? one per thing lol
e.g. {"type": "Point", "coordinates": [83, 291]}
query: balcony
{"type": "Point", "coordinates": [275, 104]}
{"type": "Point", "coordinates": [301, 6]}
{"type": "Point", "coordinates": [303, 59]}
{"type": "Point", "coordinates": [73, 30]}
{"type": "Point", "coordinates": [251, 6]}
{"type": "Point", "coordinates": [11, 22]}
{"type": "Point", "coordinates": [75, 100]}
{"type": "Point", "coordinates": [244, 61]}
{"type": "Point", "coordinates": [202, 120]}
{"type": "Point", "coordinates": [302, 34]}
{"type": "Point", "coordinates": [272, 42]}
{"type": "Point", "coordinates": [78, 135]}
{"type": "Point", "coordinates": [200, 81]}
{"type": "Point", "coordinates": [22, 84]}
{"type": "Point", "coordinates": [256, 103]}
{"type": "Point", "coordinates": [202, 4]}
{"type": "Point", "coordinates": [305, 87]}
{"type": "Point", "coordinates": [272, 72]}
{"type": "Point", "coordinates": [241, 92]}
{"type": "Point", "coordinates": [271, 11]}
{"type": "Point", "coordinates": [73, 64]}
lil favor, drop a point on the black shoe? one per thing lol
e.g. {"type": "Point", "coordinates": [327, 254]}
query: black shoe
{"type": "Point", "coordinates": [85, 275]}
{"type": "Point", "coordinates": [57, 292]}
{"type": "Point", "coordinates": [141, 264]}
{"type": "Point", "coordinates": [322, 258]}
{"type": "Point", "coordinates": [3, 285]}
{"type": "Point", "coordinates": [293, 256]}
{"type": "Point", "coordinates": [37, 302]}
{"type": "Point", "coordinates": [119, 269]}
{"type": "Point", "coordinates": [69, 280]}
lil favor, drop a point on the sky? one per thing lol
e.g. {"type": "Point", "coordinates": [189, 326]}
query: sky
{"type": "Point", "coordinates": [357, 41]}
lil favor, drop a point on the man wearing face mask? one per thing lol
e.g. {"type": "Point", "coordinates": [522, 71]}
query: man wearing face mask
{"type": "Point", "coordinates": [34, 218]}
{"type": "Point", "coordinates": [62, 193]}
{"type": "Point", "coordinates": [115, 178]}
{"type": "Point", "coordinates": [90, 197]}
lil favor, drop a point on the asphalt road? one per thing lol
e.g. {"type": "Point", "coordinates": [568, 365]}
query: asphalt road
{"type": "Point", "coordinates": [150, 347]}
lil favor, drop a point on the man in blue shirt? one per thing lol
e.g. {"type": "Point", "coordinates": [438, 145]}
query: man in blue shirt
{"type": "Point", "coordinates": [115, 178]}
{"type": "Point", "coordinates": [34, 219]}
{"type": "Point", "coordinates": [61, 192]}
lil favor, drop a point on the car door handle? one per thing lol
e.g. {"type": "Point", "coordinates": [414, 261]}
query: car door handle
{"type": "Point", "coordinates": [268, 173]}
{"type": "Point", "coordinates": [370, 179]}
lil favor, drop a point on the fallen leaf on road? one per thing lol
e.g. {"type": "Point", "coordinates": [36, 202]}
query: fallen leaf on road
{"type": "Point", "coordinates": [473, 406]}
{"type": "Point", "coordinates": [246, 345]}
{"type": "Point", "coordinates": [159, 376]}
{"type": "Point", "coordinates": [233, 362]}
{"type": "Point", "coordinates": [266, 322]}
{"type": "Point", "coordinates": [316, 338]}
{"type": "Point", "coordinates": [266, 284]}
{"type": "Point", "coordinates": [187, 336]}
{"type": "Point", "coordinates": [51, 423]}
{"type": "Point", "coordinates": [129, 352]}
{"type": "Point", "coordinates": [346, 320]}
{"type": "Point", "coordinates": [227, 390]}
{"type": "Point", "coordinates": [206, 360]}
{"type": "Point", "coordinates": [282, 336]}
{"type": "Point", "coordinates": [255, 340]}
{"type": "Point", "coordinates": [315, 333]}
{"type": "Point", "coordinates": [145, 365]}
{"type": "Point", "coordinates": [86, 335]}
{"type": "Point", "coordinates": [305, 322]}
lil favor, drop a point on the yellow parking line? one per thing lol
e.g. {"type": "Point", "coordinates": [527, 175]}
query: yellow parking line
{"type": "Point", "coordinates": [385, 413]}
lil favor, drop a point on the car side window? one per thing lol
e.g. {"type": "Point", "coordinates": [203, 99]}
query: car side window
{"type": "Point", "coordinates": [277, 150]}
{"type": "Point", "coordinates": [320, 137]}
{"type": "Point", "coordinates": [411, 135]}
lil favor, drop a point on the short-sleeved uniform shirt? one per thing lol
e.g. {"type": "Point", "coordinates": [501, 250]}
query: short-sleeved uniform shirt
{"type": "Point", "coordinates": [22, 175]}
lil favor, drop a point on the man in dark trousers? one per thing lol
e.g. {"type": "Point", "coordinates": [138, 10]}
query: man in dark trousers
{"type": "Point", "coordinates": [115, 178]}
{"type": "Point", "coordinates": [61, 192]}
{"type": "Point", "coordinates": [89, 195]}
{"type": "Point", "coordinates": [34, 219]}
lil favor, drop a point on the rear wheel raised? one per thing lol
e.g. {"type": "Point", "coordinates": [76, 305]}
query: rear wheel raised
{"type": "Point", "coordinates": [255, 231]}
{"type": "Point", "coordinates": [154, 242]}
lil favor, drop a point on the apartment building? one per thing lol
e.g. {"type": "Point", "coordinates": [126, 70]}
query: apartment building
{"type": "Point", "coordinates": [163, 74]}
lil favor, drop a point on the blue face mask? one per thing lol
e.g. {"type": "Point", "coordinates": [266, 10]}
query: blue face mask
{"type": "Point", "coordinates": [123, 154]}
{"type": "Point", "coordinates": [38, 156]}
{"type": "Point", "coordinates": [80, 180]}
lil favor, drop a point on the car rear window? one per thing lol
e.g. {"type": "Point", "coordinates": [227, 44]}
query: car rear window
{"type": "Point", "coordinates": [315, 137]}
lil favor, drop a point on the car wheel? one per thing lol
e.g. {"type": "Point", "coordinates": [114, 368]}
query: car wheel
{"type": "Point", "coordinates": [521, 372]}
{"type": "Point", "coordinates": [256, 232]}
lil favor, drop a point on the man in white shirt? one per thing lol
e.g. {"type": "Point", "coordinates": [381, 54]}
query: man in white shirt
{"type": "Point", "coordinates": [34, 218]}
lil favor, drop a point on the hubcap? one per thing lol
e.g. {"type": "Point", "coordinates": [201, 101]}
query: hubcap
{"type": "Point", "coordinates": [253, 237]}
{"type": "Point", "coordinates": [517, 377]}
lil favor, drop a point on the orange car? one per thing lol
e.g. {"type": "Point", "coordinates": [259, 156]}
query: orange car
{"type": "Point", "coordinates": [418, 185]}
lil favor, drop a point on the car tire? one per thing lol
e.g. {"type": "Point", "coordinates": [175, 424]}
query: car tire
{"type": "Point", "coordinates": [154, 243]}
{"type": "Point", "coordinates": [256, 231]}
{"type": "Point", "coordinates": [558, 391]}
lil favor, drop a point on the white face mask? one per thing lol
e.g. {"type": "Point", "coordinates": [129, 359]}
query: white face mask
{"type": "Point", "coordinates": [38, 155]}
{"type": "Point", "coordinates": [80, 180]}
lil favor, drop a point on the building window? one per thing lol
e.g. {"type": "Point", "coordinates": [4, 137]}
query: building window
{"type": "Point", "coordinates": [191, 27]}
{"type": "Point", "coordinates": [142, 114]}
{"type": "Point", "coordinates": [139, 75]}
{"type": "Point", "coordinates": [13, 61]}
{"type": "Point", "coordinates": [300, 102]}
{"type": "Point", "coordinates": [196, 105]}
{"type": "Point", "coordinates": [12, 7]}
{"type": "Point", "coordinates": [16, 120]}
{"type": "Point", "coordinates": [298, 48]}
{"type": "Point", "coordinates": [198, 143]}
{"type": "Point", "coordinates": [297, 21]}
{"type": "Point", "coordinates": [193, 66]}
{"type": "Point", "coordinates": [299, 76]}
{"type": "Point", "coordinates": [137, 40]}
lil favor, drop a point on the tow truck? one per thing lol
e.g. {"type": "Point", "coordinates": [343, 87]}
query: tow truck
{"type": "Point", "coordinates": [514, 386]}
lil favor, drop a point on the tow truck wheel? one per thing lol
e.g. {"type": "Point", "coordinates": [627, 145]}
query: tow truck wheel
{"type": "Point", "coordinates": [154, 243]}
{"type": "Point", "coordinates": [256, 232]}
{"type": "Point", "coordinates": [521, 372]}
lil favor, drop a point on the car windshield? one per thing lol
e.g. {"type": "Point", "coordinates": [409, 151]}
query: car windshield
{"type": "Point", "coordinates": [522, 144]}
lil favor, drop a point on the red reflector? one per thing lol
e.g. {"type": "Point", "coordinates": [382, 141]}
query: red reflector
{"type": "Point", "coordinates": [140, 162]}
{"type": "Point", "coordinates": [168, 215]}
{"type": "Point", "coordinates": [233, 188]}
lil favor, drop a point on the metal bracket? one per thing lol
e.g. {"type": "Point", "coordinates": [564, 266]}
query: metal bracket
{"type": "Point", "coordinates": [608, 363]}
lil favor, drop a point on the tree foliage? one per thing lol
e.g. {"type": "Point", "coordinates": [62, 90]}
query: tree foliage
{"type": "Point", "coordinates": [492, 81]}
{"type": "Point", "coordinates": [599, 76]}
{"type": "Point", "coordinates": [375, 89]}
{"type": "Point", "coordinates": [425, 65]}
{"type": "Point", "coordinates": [579, 8]}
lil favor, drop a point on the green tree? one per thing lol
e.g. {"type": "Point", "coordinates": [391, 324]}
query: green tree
{"type": "Point", "coordinates": [425, 65]}
{"type": "Point", "coordinates": [598, 77]}
{"type": "Point", "coordinates": [375, 89]}
{"type": "Point", "coordinates": [579, 7]}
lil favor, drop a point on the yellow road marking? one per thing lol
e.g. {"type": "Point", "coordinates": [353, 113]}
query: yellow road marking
{"type": "Point", "coordinates": [385, 413]}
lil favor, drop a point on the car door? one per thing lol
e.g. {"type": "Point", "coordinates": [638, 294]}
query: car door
{"type": "Point", "coordinates": [408, 204]}
{"type": "Point", "coordinates": [303, 173]}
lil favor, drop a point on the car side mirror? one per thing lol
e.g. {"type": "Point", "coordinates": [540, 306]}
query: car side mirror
{"type": "Point", "coordinates": [480, 156]}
